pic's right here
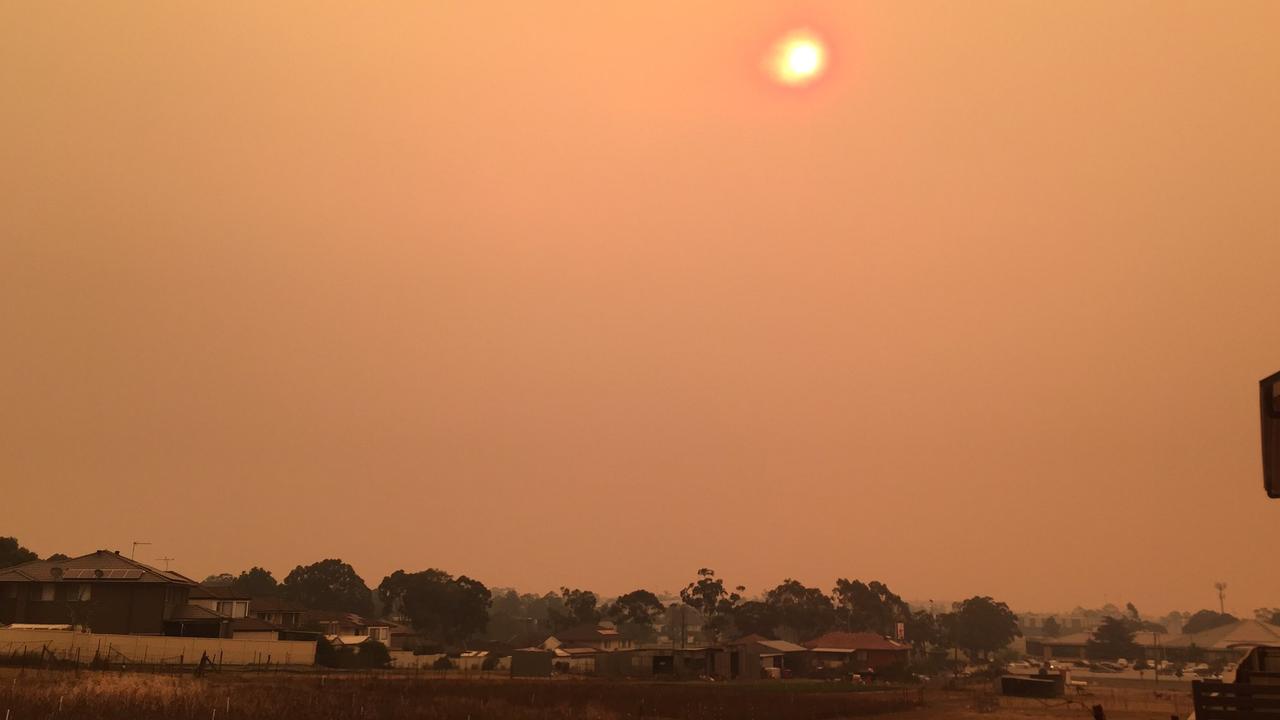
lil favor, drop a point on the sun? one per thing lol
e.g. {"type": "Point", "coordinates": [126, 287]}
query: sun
{"type": "Point", "coordinates": [799, 58]}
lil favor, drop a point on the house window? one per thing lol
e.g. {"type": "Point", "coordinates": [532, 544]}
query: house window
{"type": "Point", "coordinates": [11, 590]}
{"type": "Point", "coordinates": [80, 593]}
{"type": "Point", "coordinates": [225, 607]}
{"type": "Point", "coordinates": [42, 592]}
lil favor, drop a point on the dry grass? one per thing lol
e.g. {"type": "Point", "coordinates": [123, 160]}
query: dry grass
{"type": "Point", "coordinates": [132, 696]}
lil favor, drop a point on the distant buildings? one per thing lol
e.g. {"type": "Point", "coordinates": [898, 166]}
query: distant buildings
{"type": "Point", "coordinates": [1226, 642]}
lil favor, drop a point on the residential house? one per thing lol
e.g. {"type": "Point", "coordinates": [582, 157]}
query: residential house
{"type": "Point", "coordinates": [404, 637]}
{"type": "Point", "coordinates": [772, 653]}
{"type": "Point", "coordinates": [857, 651]}
{"type": "Point", "coordinates": [347, 625]}
{"type": "Point", "coordinates": [252, 628]}
{"type": "Point", "coordinates": [102, 591]}
{"type": "Point", "coordinates": [602, 636]}
{"type": "Point", "coordinates": [575, 660]}
{"type": "Point", "coordinates": [197, 621]}
{"type": "Point", "coordinates": [277, 611]}
{"type": "Point", "coordinates": [471, 660]}
{"type": "Point", "coordinates": [221, 599]}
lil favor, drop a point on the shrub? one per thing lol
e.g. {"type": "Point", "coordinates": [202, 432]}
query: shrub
{"type": "Point", "coordinates": [373, 654]}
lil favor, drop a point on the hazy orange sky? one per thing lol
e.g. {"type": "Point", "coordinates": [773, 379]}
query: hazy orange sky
{"type": "Point", "coordinates": [570, 293]}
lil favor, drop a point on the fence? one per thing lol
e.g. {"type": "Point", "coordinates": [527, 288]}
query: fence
{"type": "Point", "coordinates": [154, 649]}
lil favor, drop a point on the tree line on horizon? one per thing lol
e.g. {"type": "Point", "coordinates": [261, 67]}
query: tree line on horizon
{"type": "Point", "coordinates": [455, 610]}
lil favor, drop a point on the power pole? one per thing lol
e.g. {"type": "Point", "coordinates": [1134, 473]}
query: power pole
{"type": "Point", "coordinates": [165, 560]}
{"type": "Point", "coordinates": [134, 552]}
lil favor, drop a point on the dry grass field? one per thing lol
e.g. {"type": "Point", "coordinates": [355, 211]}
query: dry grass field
{"type": "Point", "coordinates": [138, 696]}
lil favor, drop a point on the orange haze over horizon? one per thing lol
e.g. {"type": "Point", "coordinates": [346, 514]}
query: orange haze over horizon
{"type": "Point", "coordinates": [570, 293]}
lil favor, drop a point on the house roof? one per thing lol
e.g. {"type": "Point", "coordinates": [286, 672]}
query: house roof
{"type": "Point", "coordinates": [100, 566]}
{"type": "Point", "coordinates": [563, 651]}
{"type": "Point", "coordinates": [269, 603]}
{"type": "Point", "coordinates": [341, 617]}
{"type": "Point", "coordinates": [347, 639]}
{"type": "Point", "coordinates": [587, 632]}
{"type": "Point", "coordinates": [1242, 633]}
{"type": "Point", "coordinates": [192, 613]}
{"type": "Point", "coordinates": [774, 645]}
{"type": "Point", "coordinates": [853, 641]}
{"type": "Point", "coordinates": [253, 624]}
{"type": "Point", "coordinates": [217, 592]}
{"type": "Point", "coordinates": [781, 646]}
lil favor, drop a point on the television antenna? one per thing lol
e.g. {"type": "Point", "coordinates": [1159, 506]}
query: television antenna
{"type": "Point", "coordinates": [165, 560]}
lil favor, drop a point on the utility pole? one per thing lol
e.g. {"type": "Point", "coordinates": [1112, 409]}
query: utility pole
{"type": "Point", "coordinates": [165, 560]}
{"type": "Point", "coordinates": [1155, 652]}
{"type": "Point", "coordinates": [134, 552]}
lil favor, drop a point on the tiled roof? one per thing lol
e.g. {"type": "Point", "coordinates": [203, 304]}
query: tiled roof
{"type": "Point", "coordinates": [217, 592]}
{"type": "Point", "coordinates": [252, 624]}
{"type": "Point", "coordinates": [324, 616]}
{"type": "Point", "coordinates": [854, 641]}
{"type": "Point", "coordinates": [195, 612]}
{"type": "Point", "coordinates": [126, 570]}
{"type": "Point", "coordinates": [1243, 633]}
{"type": "Point", "coordinates": [269, 603]}
{"type": "Point", "coordinates": [587, 632]}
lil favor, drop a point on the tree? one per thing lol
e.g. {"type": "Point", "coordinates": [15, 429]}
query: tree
{"type": "Point", "coordinates": [11, 553]}
{"type": "Point", "coordinates": [1132, 612]}
{"type": "Point", "coordinates": [516, 617]}
{"type": "Point", "coordinates": [256, 582]}
{"type": "Point", "coordinates": [1051, 627]}
{"type": "Point", "coordinates": [635, 614]}
{"type": "Point", "coordinates": [870, 606]}
{"type": "Point", "coordinates": [754, 617]}
{"type": "Point", "coordinates": [980, 626]}
{"type": "Point", "coordinates": [922, 631]}
{"type": "Point", "coordinates": [1267, 615]}
{"type": "Point", "coordinates": [219, 580]}
{"type": "Point", "coordinates": [329, 585]}
{"type": "Point", "coordinates": [708, 596]}
{"type": "Point", "coordinates": [451, 610]}
{"type": "Point", "coordinates": [805, 610]}
{"type": "Point", "coordinates": [1221, 587]}
{"type": "Point", "coordinates": [1206, 620]}
{"type": "Point", "coordinates": [579, 608]}
{"type": "Point", "coordinates": [1113, 639]}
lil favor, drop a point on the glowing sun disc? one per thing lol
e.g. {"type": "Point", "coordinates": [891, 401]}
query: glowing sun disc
{"type": "Point", "coordinates": [797, 59]}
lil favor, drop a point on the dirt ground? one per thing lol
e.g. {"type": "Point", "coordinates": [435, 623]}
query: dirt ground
{"type": "Point", "coordinates": [1117, 703]}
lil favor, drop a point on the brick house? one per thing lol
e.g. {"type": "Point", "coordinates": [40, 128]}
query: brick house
{"type": "Point", "coordinates": [857, 650]}
{"type": "Point", "coordinates": [103, 592]}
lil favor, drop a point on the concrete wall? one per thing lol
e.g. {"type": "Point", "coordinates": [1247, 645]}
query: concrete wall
{"type": "Point", "coordinates": [156, 648]}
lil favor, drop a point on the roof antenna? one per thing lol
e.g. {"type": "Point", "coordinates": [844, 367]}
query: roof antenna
{"type": "Point", "coordinates": [136, 543]}
{"type": "Point", "coordinates": [166, 560]}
